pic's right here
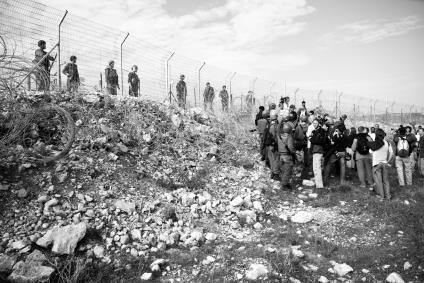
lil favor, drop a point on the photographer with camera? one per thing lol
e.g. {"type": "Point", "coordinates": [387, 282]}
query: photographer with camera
{"type": "Point", "coordinates": [363, 158]}
{"type": "Point", "coordinates": [336, 151]}
{"type": "Point", "coordinates": [318, 140]}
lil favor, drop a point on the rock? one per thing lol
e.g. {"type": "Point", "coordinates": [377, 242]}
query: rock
{"type": "Point", "coordinates": [91, 98]}
{"type": "Point", "coordinates": [323, 279]}
{"type": "Point", "coordinates": [256, 271]}
{"type": "Point", "coordinates": [99, 251]}
{"type": "Point", "coordinates": [342, 269]}
{"type": "Point", "coordinates": [249, 216]}
{"type": "Point", "coordinates": [210, 236]}
{"type": "Point", "coordinates": [136, 235]}
{"type": "Point", "coordinates": [197, 235]}
{"type": "Point", "coordinates": [125, 239]}
{"type": "Point", "coordinates": [42, 199]}
{"type": "Point", "coordinates": [208, 260]}
{"type": "Point", "coordinates": [62, 177]}
{"type": "Point", "coordinates": [22, 193]}
{"type": "Point", "coordinates": [257, 226]}
{"type": "Point", "coordinates": [90, 213]}
{"type": "Point", "coordinates": [64, 239]}
{"type": "Point", "coordinates": [4, 187]}
{"type": "Point", "coordinates": [296, 252]}
{"type": "Point", "coordinates": [308, 183]}
{"type": "Point", "coordinates": [32, 270]}
{"type": "Point", "coordinates": [128, 207]}
{"type": "Point", "coordinates": [394, 278]}
{"type": "Point", "coordinates": [157, 263]}
{"type": "Point", "coordinates": [407, 265]}
{"type": "Point", "coordinates": [283, 217]}
{"type": "Point", "coordinates": [237, 201]}
{"type": "Point", "coordinates": [18, 245]}
{"type": "Point", "coordinates": [177, 121]}
{"type": "Point", "coordinates": [146, 276]}
{"type": "Point", "coordinates": [7, 263]}
{"type": "Point", "coordinates": [257, 205]}
{"type": "Point", "coordinates": [49, 204]}
{"type": "Point", "coordinates": [302, 217]}
{"type": "Point", "coordinates": [169, 213]}
{"type": "Point", "coordinates": [294, 280]}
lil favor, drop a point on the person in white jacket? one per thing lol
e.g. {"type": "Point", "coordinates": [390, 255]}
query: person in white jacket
{"type": "Point", "coordinates": [382, 154]}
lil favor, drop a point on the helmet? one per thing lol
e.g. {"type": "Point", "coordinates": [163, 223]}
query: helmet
{"type": "Point", "coordinates": [287, 128]}
{"type": "Point", "coordinates": [292, 116]}
{"type": "Point", "coordinates": [330, 121]}
{"type": "Point", "coordinates": [303, 119]}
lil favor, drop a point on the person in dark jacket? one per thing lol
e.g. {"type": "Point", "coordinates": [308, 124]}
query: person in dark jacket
{"type": "Point", "coordinates": [301, 142]}
{"type": "Point", "coordinates": [318, 139]}
{"type": "Point", "coordinates": [208, 97]}
{"type": "Point", "coordinates": [287, 151]}
{"type": "Point", "coordinates": [259, 115]}
{"type": "Point", "coordinates": [223, 94]}
{"type": "Point", "coordinates": [133, 82]}
{"type": "Point", "coordinates": [363, 158]}
{"type": "Point", "coordinates": [71, 72]}
{"type": "Point", "coordinates": [43, 71]}
{"type": "Point", "coordinates": [337, 154]}
{"type": "Point", "coordinates": [111, 77]}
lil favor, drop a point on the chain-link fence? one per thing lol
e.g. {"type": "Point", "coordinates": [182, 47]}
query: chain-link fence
{"type": "Point", "coordinates": [26, 22]}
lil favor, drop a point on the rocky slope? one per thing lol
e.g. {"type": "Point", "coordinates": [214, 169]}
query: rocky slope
{"type": "Point", "coordinates": [150, 192]}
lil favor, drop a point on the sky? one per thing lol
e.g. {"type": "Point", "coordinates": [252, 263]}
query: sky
{"type": "Point", "coordinates": [361, 47]}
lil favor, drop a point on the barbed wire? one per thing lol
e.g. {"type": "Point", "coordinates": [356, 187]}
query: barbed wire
{"type": "Point", "coordinates": [94, 44]}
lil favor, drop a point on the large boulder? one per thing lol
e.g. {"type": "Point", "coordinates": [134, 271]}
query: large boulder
{"type": "Point", "coordinates": [32, 270]}
{"type": "Point", "coordinates": [64, 239]}
{"type": "Point", "coordinates": [394, 278]}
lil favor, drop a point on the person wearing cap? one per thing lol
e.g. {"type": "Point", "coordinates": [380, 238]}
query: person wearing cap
{"type": "Point", "coordinates": [270, 142]}
{"type": "Point", "coordinates": [208, 96]}
{"type": "Point", "coordinates": [181, 92]}
{"type": "Point", "coordinates": [404, 147]}
{"type": "Point", "coordinates": [223, 94]}
{"type": "Point", "coordinates": [71, 72]}
{"type": "Point", "coordinates": [112, 80]}
{"type": "Point", "coordinates": [133, 81]}
{"type": "Point", "coordinates": [287, 152]}
{"type": "Point", "coordinates": [43, 70]}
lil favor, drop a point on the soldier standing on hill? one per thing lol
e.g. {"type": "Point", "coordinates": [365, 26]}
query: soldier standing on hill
{"type": "Point", "coordinates": [181, 92]}
{"type": "Point", "coordinates": [71, 71]}
{"type": "Point", "coordinates": [112, 81]}
{"type": "Point", "coordinates": [43, 73]}
{"type": "Point", "coordinates": [133, 81]}
{"type": "Point", "coordinates": [223, 94]}
{"type": "Point", "coordinates": [208, 96]}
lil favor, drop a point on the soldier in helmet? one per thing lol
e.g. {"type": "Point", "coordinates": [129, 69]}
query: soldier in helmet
{"type": "Point", "coordinates": [43, 73]}
{"type": "Point", "coordinates": [133, 81]}
{"type": "Point", "coordinates": [287, 152]}
{"type": "Point", "coordinates": [181, 92]}
{"type": "Point", "coordinates": [300, 141]}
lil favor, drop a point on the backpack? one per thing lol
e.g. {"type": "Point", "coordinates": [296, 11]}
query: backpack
{"type": "Point", "coordinates": [403, 148]}
{"type": "Point", "coordinates": [362, 146]}
{"type": "Point", "coordinates": [268, 137]}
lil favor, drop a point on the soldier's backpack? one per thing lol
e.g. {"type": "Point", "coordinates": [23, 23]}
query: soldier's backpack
{"type": "Point", "coordinates": [362, 145]}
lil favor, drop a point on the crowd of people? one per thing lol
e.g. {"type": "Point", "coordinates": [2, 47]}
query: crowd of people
{"type": "Point", "coordinates": [322, 146]}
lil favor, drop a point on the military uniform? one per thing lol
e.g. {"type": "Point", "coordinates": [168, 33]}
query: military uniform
{"type": "Point", "coordinates": [181, 93]}
{"type": "Point", "coordinates": [223, 94]}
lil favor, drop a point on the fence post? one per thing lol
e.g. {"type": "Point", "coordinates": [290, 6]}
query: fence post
{"type": "Point", "coordinates": [231, 91]}
{"type": "Point", "coordinates": [122, 70]}
{"type": "Point", "coordinates": [101, 82]}
{"type": "Point", "coordinates": [198, 73]}
{"type": "Point", "coordinates": [338, 104]}
{"type": "Point", "coordinates": [270, 90]}
{"type": "Point", "coordinates": [59, 73]}
{"type": "Point", "coordinates": [168, 87]}
{"type": "Point", "coordinates": [295, 95]}
{"type": "Point", "coordinates": [319, 97]}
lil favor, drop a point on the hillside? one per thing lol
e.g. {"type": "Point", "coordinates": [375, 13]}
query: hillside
{"type": "Point", "coordinates": [152, 193]}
